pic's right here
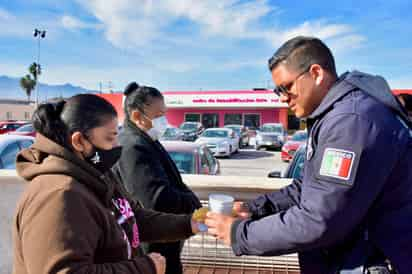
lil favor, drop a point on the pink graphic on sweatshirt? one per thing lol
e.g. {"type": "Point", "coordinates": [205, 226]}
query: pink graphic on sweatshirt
{"type": "Point", "coordinates": [136, 238]}
{"type": "Point", "coordinates": [126, 213]}
{"type": "Point", "coordinates": [125, 210]}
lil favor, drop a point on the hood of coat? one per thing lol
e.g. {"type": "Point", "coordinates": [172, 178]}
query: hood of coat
{"type": "Point", "coordinates": [46, 157]}
{"type": "Point", "coordinates": [374, 85]}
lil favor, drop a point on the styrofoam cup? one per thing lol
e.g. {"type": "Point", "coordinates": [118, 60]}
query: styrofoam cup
{"type": "Point", "coordinates": [221, 203]}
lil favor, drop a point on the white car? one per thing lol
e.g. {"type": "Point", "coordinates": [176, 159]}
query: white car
{"type": "Point", "coordinates": [10, 145]}
{"type": "Point", "coordinates": [220, 141]}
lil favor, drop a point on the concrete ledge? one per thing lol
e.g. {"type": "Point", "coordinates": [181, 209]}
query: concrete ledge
{"type": "Point", "coordinates": [241, 187]}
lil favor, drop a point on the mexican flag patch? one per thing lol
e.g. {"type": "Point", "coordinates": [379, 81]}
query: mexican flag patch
{"type": "Point", "coordinates": [337, 163]}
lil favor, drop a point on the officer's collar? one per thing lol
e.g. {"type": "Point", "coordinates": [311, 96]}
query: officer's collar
{"type": "Point", "coordinates": [339, 89]}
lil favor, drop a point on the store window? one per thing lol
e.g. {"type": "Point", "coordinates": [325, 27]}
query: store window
{"type": "Point", "coordinates": [210, 120]}
{"type": "Point", "coordinates": [192, 117]}
{"type": "Point", "coordinates": [252, 121]}
{"type": "Point", "coordinates": [233, 119]}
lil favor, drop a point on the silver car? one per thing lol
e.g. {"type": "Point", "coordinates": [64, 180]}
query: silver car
{"type": "Point", "coordinates": [173, 134]}
{"type": "Point", "coordinates": [221, 141]}
{"type": "Point", "coordinates": [271, 135]}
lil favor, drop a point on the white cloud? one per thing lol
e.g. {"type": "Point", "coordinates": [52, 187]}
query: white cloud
{"type": "Point", "coordinates": [70, 22]}
{"type": "Point", "coordinates": [13, 25]}
{"type": "Point", "coordinates": [130, 23]}
{"type": "Point", "coordinates": [12, 69]}
{"type": "Point", "coordinates": [235, 65]}
{"type": "Point", "coordinates": [338, 36]}
{"type": "Point", "coordinates": [5, 15]}
{"type": "Point", "coordinates": [10, 26]}
{"type": "Point", "coordinates": [138, 23]}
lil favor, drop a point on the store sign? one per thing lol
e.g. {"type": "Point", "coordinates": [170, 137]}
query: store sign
{"type": "Point", "coordinates": [223, 100]}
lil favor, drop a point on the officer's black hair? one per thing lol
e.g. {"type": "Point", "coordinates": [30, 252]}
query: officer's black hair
{"type": "Point", "coordinates": [58, 120]}
{"type": "Point", "coordinates": [137, 97]}
{"type": "Point", "coordinates": [301, 52]}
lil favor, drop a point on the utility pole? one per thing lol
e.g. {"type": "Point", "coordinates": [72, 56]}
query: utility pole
{"type": "Point", "coordinates": [110, 87]}
{"type": "Point", "coordinates": [39, 34]}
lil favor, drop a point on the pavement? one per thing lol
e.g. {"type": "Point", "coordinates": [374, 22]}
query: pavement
{"type": "Point", "coordinates": [249, 162]}
{"type": "Point", "coordinates": [10, 192]}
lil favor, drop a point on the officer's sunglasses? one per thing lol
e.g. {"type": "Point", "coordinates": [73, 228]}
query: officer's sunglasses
{"type": "Point", "coordinates": [285, 89]}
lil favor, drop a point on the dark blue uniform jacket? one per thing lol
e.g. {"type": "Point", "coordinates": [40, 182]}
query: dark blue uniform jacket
{"type": "Point", "coordinates": [357, 177]}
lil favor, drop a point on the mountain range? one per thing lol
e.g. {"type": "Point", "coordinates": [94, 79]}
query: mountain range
{"type": "Point", "coordinates": [10, 89]}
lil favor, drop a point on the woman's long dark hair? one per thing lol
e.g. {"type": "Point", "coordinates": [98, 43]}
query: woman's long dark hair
{"type": "Point", "coordinates": [57, 121]}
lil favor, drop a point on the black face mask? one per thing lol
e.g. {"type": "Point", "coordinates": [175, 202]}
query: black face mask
{"type": "Point", "coordinates": [103, 159]}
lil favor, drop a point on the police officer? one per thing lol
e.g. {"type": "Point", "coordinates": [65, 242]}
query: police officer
{"type": "Point", "coordinates": [352, 211]}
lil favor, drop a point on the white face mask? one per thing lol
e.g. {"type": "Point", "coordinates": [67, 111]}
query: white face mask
{"type": "Point", "coordinates": [160, 125]}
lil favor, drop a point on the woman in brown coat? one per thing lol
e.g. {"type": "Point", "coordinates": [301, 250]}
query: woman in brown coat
{"type": "Point", "coordinates": [73, 216]}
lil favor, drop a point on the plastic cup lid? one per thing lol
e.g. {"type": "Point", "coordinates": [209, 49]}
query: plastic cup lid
{"type": "Point", "coordinates": [222, 198]}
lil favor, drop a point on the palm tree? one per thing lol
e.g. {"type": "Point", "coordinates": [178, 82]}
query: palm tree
{"type": "Point", "coordinates": [35, 71]}
{"type": "Point", "coordinates": [27, 84]}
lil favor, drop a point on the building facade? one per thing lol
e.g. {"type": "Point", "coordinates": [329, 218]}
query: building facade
{"type": "Point", "coordinates": [251, 108]}
{"type": "Point", "coordinates": [16, 110]}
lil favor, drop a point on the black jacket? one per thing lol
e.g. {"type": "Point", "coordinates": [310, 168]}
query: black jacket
{"type": "Point", "coordinates": [151, 176]}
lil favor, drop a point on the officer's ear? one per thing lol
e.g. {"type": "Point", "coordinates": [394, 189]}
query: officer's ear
{"type": "Point", "coordinates": [317, 73]}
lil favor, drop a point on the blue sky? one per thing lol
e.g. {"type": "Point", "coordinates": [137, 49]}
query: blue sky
{"type": "Point", "coordinates": [192, 45]}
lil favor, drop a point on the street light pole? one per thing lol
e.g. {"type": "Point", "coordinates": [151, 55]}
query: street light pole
{"type": "Point", "coordinates": [39, 34]}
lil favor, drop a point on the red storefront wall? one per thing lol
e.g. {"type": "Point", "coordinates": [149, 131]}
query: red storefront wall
{"type": "Point", "coordinates": [279, 115]}
{"type": "Point", "coordinates": [176, 116]}
{"type": "Point", "coordinates": [116, 100]}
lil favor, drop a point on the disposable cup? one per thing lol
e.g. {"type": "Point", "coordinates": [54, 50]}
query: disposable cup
{"type": "Point", "coordinates": [221, 203]}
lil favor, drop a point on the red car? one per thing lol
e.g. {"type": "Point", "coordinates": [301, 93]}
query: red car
{"type": "Point", "coordinates": [8, 126]}
{"type": "Point", "coordinates": [290, 147]}
{"type": "Point", "coordinates": [26, 130]}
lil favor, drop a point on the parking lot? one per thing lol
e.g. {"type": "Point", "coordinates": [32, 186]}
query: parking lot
{"type": "Point", "coordinates": [249, 162]}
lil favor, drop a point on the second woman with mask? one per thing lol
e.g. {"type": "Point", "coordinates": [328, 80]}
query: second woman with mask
{"type": "Point", "coordinates": [146, 168]}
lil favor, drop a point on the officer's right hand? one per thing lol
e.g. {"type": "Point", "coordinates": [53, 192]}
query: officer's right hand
{"type": "Point", "coordinates": [159, 262]}
{"type": "Point", "coordinates": [240, 210]}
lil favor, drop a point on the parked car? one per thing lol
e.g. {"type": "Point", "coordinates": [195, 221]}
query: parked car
{"type": "Point", "coordinates": [242, 132]}
{"type": "Point", "coordinates": [173, 134]}
{"type": "Point", "coordinates": [191, 130]}
{"type": "Point", "coordinates": [10, 145]}
{"type": "Point", "coordinates": [7, 126]}
{"type": "Point", "coordinates": [270, 135]}
{"type": "Point", "coordinates": [290, 147]}
{"type": "Point", "coordinates": [26, 130]}
{"type": "Point", "coordinates": [221, 141]}
{"type": "Point", "coordinates": [295, 167]}
{"type": "Point", "coordinates": [192, 158]}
